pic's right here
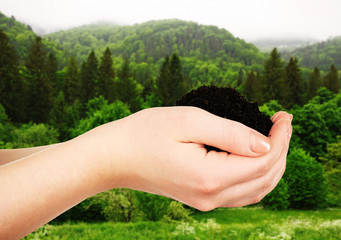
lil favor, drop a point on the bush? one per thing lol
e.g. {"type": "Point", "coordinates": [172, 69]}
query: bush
{"type": "Point", "coordinates": [154, 207]}
{"type": "Point", "coordinates": [271, 108]}
{"type": "Point", "coordinates": [305, 180]}
{"type": "Point", "coordinates": [33, 135]}
{"type": "Point", "coordinates": [177, 212]}
{"type": "Point", "coordinates": [106, 113]}
{"type": "Point", "coordinates": [278, 199]}
{"type": "Point", "coordinates": [332, 172]}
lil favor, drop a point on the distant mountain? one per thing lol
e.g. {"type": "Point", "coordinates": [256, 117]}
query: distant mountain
{"type": "Point", "coordinates": [151, 41]}
{"type": "Point", "coordinates": [288, 44]}
{"type": "Point", "coordinates": [321, 54]}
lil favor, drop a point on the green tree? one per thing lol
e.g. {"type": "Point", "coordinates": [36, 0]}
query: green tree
{"type": "Point", "coordinates": [72, 85]}
{"type": "Point", "coordinates": [127, 89]}
{"type": "Point", "coordinates": [331, 80]}
{"type": "Point", "coordinates": [314, 83]}
{"type": "Point", "coordinates": [39, 95]}
{"type": "Point", "coordinates": [250, 86]}
{"type": "Point", "coordinates": [305, 180]}
{"type": "Point", "coordinates": [240, 78]}
{"type": "Point", "coordinates": [58, 116]}
{"type": "Point", "coordinates": [170, 82]}
{"type": "Point", "coordinates": [89, 78]}
{"type": "Point", "coordinates": [271, 79]}
{"type": "Point", "coordinates": [332, 171]}
{"type": "Point", "coordinates": [51, 71]}
{"type": "Point", "coordinates": [11, 85]}
{"type": "Point", "coordinates": [106, 76]}
{"type": "Point", "coordinates": [292, 85]}
{"type": "Point", "coordinates": [278, 199]}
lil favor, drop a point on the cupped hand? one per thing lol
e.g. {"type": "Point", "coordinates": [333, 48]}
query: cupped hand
{"type": "Point", "coordinates": [162, 151]}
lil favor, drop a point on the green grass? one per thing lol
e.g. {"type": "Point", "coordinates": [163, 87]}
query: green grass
{"type": "Point", "coordinates": [243, 223]}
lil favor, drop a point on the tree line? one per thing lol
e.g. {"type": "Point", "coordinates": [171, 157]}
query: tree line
{"type": "Point", "coordinates": [285, 83]}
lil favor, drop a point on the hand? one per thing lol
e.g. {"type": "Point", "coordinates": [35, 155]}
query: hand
{"type": "Point", "coordinates": [162, 151]}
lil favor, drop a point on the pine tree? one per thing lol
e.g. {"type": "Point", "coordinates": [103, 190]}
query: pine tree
{"type": "Point", "coordinates": [106, 76]}
{"type": "Point", "coordinates": [59, 116]}
{"type": "Point", "coordinates": [314, 83]}
{"type": "Point", "coordinates": [51, 71]}
{"type": "Point", "coordinates": [11, 85]}
{"type": "Point", "coordinates": [240, 78]}
{"type": "Point", "coordinates": [271, 80]}
{"type": "Point", "coordinates": [127, 89]}
{"type": "Point", "coordinates": [72, 83]}
{"type": "Point", "coordinates": [170, 83]}
{"type": "Point", "coordinates": [331, 80]}
{"type": "Point", "coordinates": [293, 85]}
{"type": "Point", "coordinates": [39, 94]}
{"type": "Point", "coordinates": [89, 78]}
{"type": "Point", "coordinates": [250, 88]}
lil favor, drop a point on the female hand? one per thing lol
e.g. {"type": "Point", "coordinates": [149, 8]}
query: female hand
{"type": "Point", "coordinates": [158, 150]}
{"type": "Point", "coordinates": [162, 151]}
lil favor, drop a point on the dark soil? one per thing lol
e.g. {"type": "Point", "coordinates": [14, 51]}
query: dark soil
{"type": "Point", "coordinates": [228, 103]}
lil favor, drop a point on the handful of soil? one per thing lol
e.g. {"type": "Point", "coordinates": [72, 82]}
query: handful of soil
{"type": "Point", "coordinates": [228, 103]}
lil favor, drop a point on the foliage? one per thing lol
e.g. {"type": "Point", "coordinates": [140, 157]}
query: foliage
{"type": "Point", "coordinates": [332, 171]}
{"type": "Point", "coordinates": [321, 54]}
{"type": "Point", "coordinates": [177, 212]}
{"type": "Point", "coordinates": [154, 207]}
{"type": "Point", "coordinates": [106, 113]}
{"type": "Point", "coordinates": [331, 80]}
{"type": "Point", "coordinates": [305, 180]}
{"type": "Point", "coordinates": [314, 83]}
{"type": "Point", "coordinates": [33, 135]}
{"type": "Point", "coordinates": [293, 87]}
{"type": "Point", "coordinates": [278, 199]}
{"type": "Point", "coordinates": [271, 80]}
{"type": "Point", "coordinates": [271, 108]}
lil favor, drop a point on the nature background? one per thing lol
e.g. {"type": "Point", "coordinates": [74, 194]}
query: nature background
{"type": "Point", "coordinates": [69, 66]}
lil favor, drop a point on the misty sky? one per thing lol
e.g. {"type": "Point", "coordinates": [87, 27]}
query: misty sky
{"type": "Point", "coordinates": [247, 19]}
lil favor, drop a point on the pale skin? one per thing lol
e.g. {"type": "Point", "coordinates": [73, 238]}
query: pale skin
{"type": "Point", "coordinates": [158, 150]}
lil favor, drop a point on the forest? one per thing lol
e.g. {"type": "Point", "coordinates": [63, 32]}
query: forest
{"type": "Point", "coordinates": [58, 86]}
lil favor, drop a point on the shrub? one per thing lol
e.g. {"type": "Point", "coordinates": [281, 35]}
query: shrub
{"type": "Point", "coordinates": [105, 114]}
{"type": "Point", "coordinates": [32, 135]}
{"type": "Point", "coordinates": [278, 199]}
{"type": "Point", "coordinates": [305, 180]}
{"type": "Point", "coordinates": [154, 207]}
{"type": "Point", "coordinates": [177, 212]}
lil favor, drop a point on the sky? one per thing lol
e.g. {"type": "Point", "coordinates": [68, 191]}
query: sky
{"type": "Point", "coordinates": [246, 19]}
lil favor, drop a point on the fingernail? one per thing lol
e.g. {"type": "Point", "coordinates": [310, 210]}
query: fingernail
{"type": "Point", "coordinates": [260, 144]}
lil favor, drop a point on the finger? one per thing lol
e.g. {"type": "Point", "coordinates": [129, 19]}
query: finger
{"type": "Point", "coordinates": [280, 115]}
{"type": "Point", "coordinates": [203, 127]}
{"type": "Point", "coordinates": [253, 191]}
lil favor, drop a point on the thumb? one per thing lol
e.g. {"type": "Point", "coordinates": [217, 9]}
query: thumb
{"type": "Point", "coordinates": [203, 127]}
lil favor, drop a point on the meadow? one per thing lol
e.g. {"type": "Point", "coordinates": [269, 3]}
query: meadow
{"type": "Point", "coordinates": [240, 223]}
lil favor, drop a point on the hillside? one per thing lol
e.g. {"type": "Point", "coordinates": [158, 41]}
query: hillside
{"type": "Point", "coordinates": [321, 54]}
{"type": "Point", "coordinates": [282, 44]}
{"type": "Point", "coordinates": [151, 41]}
{"type": "Point", "coordinates": [21, 36]}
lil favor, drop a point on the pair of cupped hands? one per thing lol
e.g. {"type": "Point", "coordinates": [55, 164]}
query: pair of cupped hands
{"type": "Point", "coordinates": [158, 150]}
{"type": "Point", "coordinates": [162, 151]}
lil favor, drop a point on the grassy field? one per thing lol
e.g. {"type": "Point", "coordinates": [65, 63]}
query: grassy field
{"type": "Point", "coordinates": [243, 223]}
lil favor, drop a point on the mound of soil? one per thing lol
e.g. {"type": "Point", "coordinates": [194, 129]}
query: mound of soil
{"type": "Point", "coordinates": [228, 103]}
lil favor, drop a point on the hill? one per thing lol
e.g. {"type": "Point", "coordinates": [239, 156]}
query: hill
{"type": "Point", "coordinates": [151, 41]}
{"type": "Point", "coordinates": [321, 54]}
{"type": "Point", "coordinates": [21, 36]}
